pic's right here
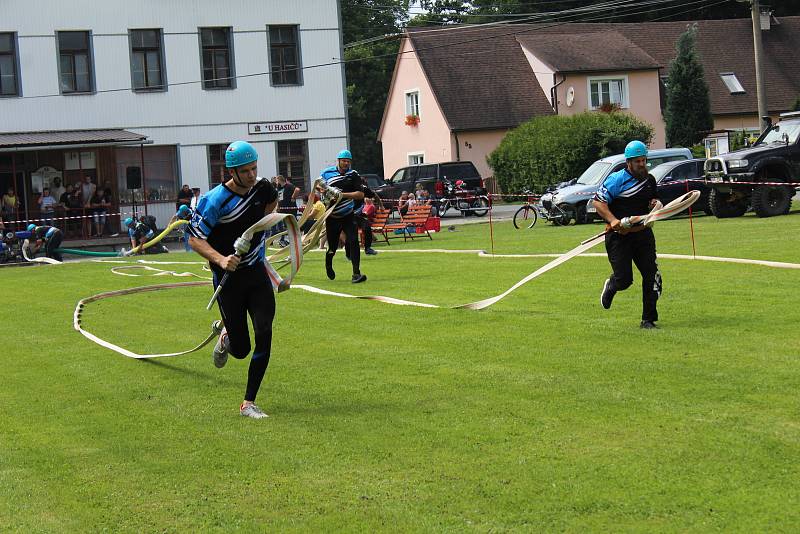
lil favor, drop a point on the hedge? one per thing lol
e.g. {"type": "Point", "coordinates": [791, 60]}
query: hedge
{"type": "Point", "coordinates": [552, 149]}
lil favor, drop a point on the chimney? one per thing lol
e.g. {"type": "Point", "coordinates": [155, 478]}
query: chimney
{"type": "Point", "coordinates": [766, 18]}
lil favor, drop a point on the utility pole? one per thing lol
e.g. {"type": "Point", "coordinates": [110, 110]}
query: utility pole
{"type": "Point", "coordinates": [759, 53]}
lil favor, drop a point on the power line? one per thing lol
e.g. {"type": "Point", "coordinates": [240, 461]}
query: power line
{"type": "Point", "coordinates": [383, 56]}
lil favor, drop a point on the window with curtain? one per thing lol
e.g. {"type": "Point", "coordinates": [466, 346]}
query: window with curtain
{"type": "Point", "coordinates": [608, 91]}
{"type": "Point", "coordinates": [75, 62]}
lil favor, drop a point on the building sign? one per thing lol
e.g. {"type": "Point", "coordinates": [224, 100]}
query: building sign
{"type": "Point", "coordinates": [277, 127]}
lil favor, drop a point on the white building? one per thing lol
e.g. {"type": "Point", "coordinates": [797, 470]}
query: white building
{"type": "Point", "coordinates": [96, 80]}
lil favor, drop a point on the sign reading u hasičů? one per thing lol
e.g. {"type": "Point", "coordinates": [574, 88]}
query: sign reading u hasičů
{"type": "Point", "coordinates": [276, 127]}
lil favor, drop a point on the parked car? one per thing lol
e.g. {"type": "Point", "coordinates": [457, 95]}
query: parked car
{"type": "Point", "coordinates": [432, 176]}
{"type": "Point", "coordinates": [671, 181]}
{"type": "Point", "coordinates": [773, 158]}
{"type": "Point", "coordinates": [373, 181]}
{"type": "Point", "coordinates": [573, 199]}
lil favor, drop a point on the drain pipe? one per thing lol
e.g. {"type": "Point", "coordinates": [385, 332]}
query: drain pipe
{"type": "Point", "coordinates": [458, 146]}
{"type": "Point", "coordinates": [553, 95]}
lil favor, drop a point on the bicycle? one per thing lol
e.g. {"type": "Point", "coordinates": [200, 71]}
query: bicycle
{"type": "Point", "coordinates": [527, 215]}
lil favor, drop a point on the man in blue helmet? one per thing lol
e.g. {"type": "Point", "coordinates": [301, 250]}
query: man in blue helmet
{"type": "Point", "coordinates": [343, 177]}
{"type": "Point", "coordinates": [138, 232]}
{"type": "Point", "coordinates": [184, 213]}
{"type": "Point", "coordinates": [630, 191]}
{"type": "Point", "coordinates": [222, 215]}
{"type": "Point", "coordinates": [50, 237]}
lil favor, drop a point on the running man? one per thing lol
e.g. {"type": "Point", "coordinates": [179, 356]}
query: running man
{"type": "Point", "coordinates": [222, 215]}
{"type": "Point", "coordinates": [344, 178]}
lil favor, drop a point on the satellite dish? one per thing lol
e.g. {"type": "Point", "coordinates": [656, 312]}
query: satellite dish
{"type": "Point", "coordinates": [570, 96]}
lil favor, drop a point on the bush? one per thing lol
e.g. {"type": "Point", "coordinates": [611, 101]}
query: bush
{"type": "Point", "coordinates": [548, 150]}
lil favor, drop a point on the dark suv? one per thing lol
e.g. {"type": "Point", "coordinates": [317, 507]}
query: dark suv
{"type": "Point", "coordinates": [432, 177]}
{"type": "Point", "coordinates": [774, 158]}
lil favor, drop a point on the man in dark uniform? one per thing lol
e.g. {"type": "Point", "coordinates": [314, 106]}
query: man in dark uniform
{"type": "Point", "coordinates": [630, 191]}
{"type": "Point", "coordinates": [222, 216]}
{"type": "Point", "coordinates": [348, 181]}
{"type": "Point", "coordinates": [50, 237]}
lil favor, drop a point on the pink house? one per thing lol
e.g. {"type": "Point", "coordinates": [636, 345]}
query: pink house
{"type": "Point", "coordinates": [457, 91]}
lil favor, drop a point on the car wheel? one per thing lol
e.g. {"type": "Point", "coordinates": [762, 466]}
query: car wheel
{"type": "Point", "coordinates": [769, 201]}
{"type": "Point", "coordinates": [726, 205]}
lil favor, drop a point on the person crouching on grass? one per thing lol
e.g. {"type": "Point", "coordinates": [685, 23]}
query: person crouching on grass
{"type": "Point", "coordinates": [630, 191]}
{"type": "Point", "coordinates": [222, 216]}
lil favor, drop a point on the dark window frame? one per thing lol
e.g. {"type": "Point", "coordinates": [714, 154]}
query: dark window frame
{"type": "Point", "coordinates": [132, 50]}
{"type": "Point", "coordinates": [89, 61]}
{"type": "Point", "coordinates": [306, 163]}
{"type": "Point", "coordinates": [15, 62]}
{"type": "Point", "coordinates": [231, 59]}
{"type": "Point", "coordinates": [298, 51]}
{"type": "Point", "coordinates": [214, 164]}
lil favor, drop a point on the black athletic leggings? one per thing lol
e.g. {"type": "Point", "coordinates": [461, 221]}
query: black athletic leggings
{"type": "Point", "coordinates": [334, 227]}
{"type": "Point", "coordinates": [248, 291]}
{"type": "Point", "coordinates": [639, 248]}
{"type": "Point", "coordinates": [52, 243]}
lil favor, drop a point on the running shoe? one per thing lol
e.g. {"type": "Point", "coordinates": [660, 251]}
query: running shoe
{"type": "Point", "coordinates": [220, 354]}
{"type": "Point", "coordinates": [251, 410]}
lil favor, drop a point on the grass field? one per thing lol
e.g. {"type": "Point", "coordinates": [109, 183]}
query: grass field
{"type": "Point", "coordinates": [543, 412]}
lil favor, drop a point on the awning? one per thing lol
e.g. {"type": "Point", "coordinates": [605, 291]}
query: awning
{"type": "Point", "coordinates": [25, 141]}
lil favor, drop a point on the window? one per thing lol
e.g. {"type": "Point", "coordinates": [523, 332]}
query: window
{"type": "Point", "coordinates": [75, 62]}
{"type": "Point", "coordinates": [216, 164]}
{"type": "Point", "coordinates": [217, 58]}
{"type": "Point", "coordinates": [293, 161]}
{"type": "Point", "coordinates": [732, 83]}
{"type": "Point", "coordinates": [284, 55]}
{"type": "Point", "coordinates": [608, 91]}
{"type": "Point", "coordinates": [416, 159]}
{"type": "Point", "coordinates": [159, 176]}
{"type": "Point", "coordinates": [9, 81]}
{"type": "Point", "coordinates": [147, 60]}
{"type": "Point", "coordinates": [412, 103]}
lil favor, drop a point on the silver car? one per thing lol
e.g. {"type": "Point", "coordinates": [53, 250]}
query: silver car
{"type": "Point", "coordinates": [570, 202]}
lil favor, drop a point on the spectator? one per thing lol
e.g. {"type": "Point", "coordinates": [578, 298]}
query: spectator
{"type": "Point", "coordinates": [50, 237]}
{"type": "Point", "coordinates": [99, 204]}
{"type": "Point", "coordinates": [10, 204]}
{"type": "Point", "coordinates": [57, 189]}
{"type": "Point", "coordinates": [47, 205]}
{"type": "Point", "coordinates": [402, 206]}
{"type": "Point", "coordinates": [412, 200]}
{"type": "Point", "coordinates": [87, 191]}
{"type": "Point", "coordinates": [365, 222]}
{"type": "Point", "coordinates": [107, 190]}
{"type": "Point", "coordinates": [63, 199]}
{"type": "Point", "coordinates": [184, 196]}
{"type": "Point", "coordinates": [317, 211]}
{"type": "Point", "coordinates": [287, 193]}
{"type": "Point", "coordinates": [195, 198]}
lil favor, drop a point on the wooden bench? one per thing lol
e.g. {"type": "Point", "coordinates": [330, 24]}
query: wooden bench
{"type": "Point", "coordinates": [378, 224]}
{"type": "Point", "coordinates": [416, 218]}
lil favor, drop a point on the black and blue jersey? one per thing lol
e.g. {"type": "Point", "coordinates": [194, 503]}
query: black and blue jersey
{"type": "Point", "coordinates": [349, 182]}
{"type": "Point", "coordinates": [625, 195]}
{"type": "Point", "coordinates": [222, 216]}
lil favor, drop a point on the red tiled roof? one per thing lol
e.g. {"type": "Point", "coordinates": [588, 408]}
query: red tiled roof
{"type": "Point", "coordinates": [482, 79]}
{"type": "Point", "coordinates": [588, 52]}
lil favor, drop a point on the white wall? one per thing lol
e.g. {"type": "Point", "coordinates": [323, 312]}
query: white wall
{"type": "Point", "coordinates": [185, 115]}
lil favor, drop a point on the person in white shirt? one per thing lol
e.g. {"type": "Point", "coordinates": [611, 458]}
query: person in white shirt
{"type": "Point", "coordinates": [48, 206]}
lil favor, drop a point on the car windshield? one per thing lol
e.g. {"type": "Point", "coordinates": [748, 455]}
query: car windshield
{"type": "Point", "coordinates": [660, 171]}
{"type": "Point", "coordinates": [780, 133]}
{"type": "Point", "coordinates": [594, 173]}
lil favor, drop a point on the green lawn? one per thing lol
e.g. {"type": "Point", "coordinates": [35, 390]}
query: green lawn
{"type": "Point", "coordinates": [543, 412]}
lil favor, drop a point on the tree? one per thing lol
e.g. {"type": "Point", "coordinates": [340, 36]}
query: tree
{"type": "Point", "coordinates": [368, 71]}
{"type": "Point", "coordinates": [688, 114]}
{"type": "Point", "coordinates": [551, 149]}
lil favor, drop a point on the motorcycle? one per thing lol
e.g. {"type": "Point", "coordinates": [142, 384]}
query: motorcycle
{"type": "Point", "coordinates": [467, 201]}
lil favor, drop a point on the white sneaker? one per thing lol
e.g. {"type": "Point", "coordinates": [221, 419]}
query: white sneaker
{"type": "Point", "coordinates": [252, 411]}
{"type": "Point", "coordinates": [220, 354]}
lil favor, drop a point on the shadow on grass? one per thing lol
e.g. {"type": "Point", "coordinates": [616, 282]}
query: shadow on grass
{"type": "Point", "coordinates": [182, 370]}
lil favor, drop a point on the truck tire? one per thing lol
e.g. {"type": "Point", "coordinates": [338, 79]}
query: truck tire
{"type": "Point", "coordinates": [769, 201]}
{"type": "Point", "coordinates": [725, 205]}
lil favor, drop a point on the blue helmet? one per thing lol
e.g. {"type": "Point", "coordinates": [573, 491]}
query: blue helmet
{"type": "Point", "coordinates": [31, 227]}
{"type": "Point", "coordinates": [128, 221]}
{"type": "Point", "coordinates": [635, 149]}
{"type": "Point", "coordinates": [344, 154]}
{"type": "Point", "coordinates": [240, 153]}
{"type": "Point", "coordinates": [183, 210]}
